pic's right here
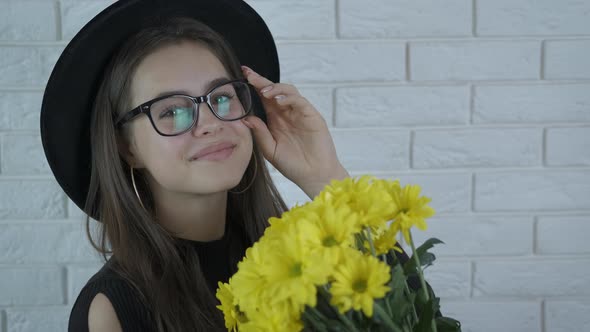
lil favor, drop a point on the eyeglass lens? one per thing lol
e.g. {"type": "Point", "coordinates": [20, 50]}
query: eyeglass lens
{"type": "Point", "coordinates": [176, 114]}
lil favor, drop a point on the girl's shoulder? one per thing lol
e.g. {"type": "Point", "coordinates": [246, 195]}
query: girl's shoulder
{"type": "Point", "coordinates": [132, 313]}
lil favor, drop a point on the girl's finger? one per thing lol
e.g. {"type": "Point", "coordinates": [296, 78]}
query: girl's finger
{"type": "Point", "coordinates": [263, 137]}
{"type": "Point", "coordinates": [256, 79]}
{"type": "Point", "coordinates": [296, 102]}
{"type": "Point", "coordinates": [276, 89]}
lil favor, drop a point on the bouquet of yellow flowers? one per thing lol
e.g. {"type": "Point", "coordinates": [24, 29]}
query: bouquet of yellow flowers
{"type": "Point", "coordinates": [334, 264]}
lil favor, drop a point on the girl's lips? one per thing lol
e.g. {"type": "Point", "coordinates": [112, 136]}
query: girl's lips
{"type": "Point", "coordinates": [217, 155]}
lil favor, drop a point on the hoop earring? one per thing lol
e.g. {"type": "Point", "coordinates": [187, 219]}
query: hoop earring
{"type": "Point", "coordinates": [253, 178]}
{"type": "Point", "coordinates": [135, 188]}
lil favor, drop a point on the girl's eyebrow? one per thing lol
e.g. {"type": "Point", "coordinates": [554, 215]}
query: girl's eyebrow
{"type": "Point", "coordinates": [210, 85]}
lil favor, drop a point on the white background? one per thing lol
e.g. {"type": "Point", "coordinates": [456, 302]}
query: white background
{"type": "Point", "coordinates": [484, 103]}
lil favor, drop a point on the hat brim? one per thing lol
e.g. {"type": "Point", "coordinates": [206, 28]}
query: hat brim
{"type": "Point", "coordinates": [74, 81]}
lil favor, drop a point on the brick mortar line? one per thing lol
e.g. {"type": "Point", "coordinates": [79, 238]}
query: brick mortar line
{"type": "Point", "coordinates": [471, 104]}
{"type": "Point", "coordinates": [542, 316]}
{"type": "Point", "coordinates": [482, 300]}
{"type": "Point", "coordinates": [391, 84]}
{"type": "Point", "coordinates": [2, 153]}
{"type": "Point", "coordinates": [465, 127]}
{"type": "Point", "coordinates": [44, 177]}
{"type": "Point", "coordinates": [34, 307]}
{"type": "Point", "coordinates": [65, 279]}
{"type": "Point", "coordinates": [411, 149]}
{"type": "Point", "coordinates": [432, 39]}
{"type": "Point", "coordinates": [408, 62]}
{"type": "Point", "coordinates": [542, 60]}
{"type": "Point", "coordinates": [544, 147]}
{"type": "Point", "coordinates": [334, 118]}
{"type": "Point", "coordinates": [531, 259]}
{"type": "Point", "coordinates": [368, 40]}
{"type": "Point", "coordinates": [536, 236]}
{"type": "Point", "coordinates": [472, 193]}
{"type": "Point", "coordinates": [474, 18]}
{"type": "Point", "coordinates": [58, 21]}
{"type": "Point", "coordinates": [337, 19]}
{"type": "Point", "coordinates": [41, 221]}
{"type": "Point", "coordinates": [430, 83]}
{"type": "Point", "coordinates": [7, 89]}
{"type": "Point", "coordinates": [441, 260]}
{"type": "Point", "coordinates": [33, 43]}
{"type": "Point", "coordinates": [20, 132]}
{"type": "Point", "coordinates": [472, 270]}
{"type": "Point", "coordinates": [456, 171]}
{"type": "Point", "coordinates": [528, 298]}
{"type": "Point", "coordinates": [435, 39]}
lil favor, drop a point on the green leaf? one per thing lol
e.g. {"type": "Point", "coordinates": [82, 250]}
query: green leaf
{"type": "Point", "coordinates": [425, 318]}
{"type": "Point", "coordinates": [429, 244]}
{"type": "Point", "coordinates": [313, 322]}
{"type": "Point", "coordinates": [447, 324]}
{"type": "Point", "coordinates": [426, 258]}
{"type": "Point", "coordinates": [398, 280]}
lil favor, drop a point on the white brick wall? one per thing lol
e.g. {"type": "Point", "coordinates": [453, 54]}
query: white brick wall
{"type": "Point", "coordinates": [484, 103]}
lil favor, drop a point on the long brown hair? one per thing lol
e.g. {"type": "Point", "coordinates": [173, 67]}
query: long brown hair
{"type": "Point", "coordinates": [166, 275]}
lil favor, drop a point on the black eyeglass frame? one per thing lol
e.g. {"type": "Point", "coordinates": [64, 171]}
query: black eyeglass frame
{"type": "Point", "coordinates": [145, 107]}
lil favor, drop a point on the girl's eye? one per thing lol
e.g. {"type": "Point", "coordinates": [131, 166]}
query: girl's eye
{"type": "Point", "coordinates": [173, 111]}
{"type": "Point", "coordinates": [221, 99]}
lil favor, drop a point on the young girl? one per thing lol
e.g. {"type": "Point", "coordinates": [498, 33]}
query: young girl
{"type": "Point", "coordinates": [152, 126]}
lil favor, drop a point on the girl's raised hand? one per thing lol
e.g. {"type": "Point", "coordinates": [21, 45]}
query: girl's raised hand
{"type": "Point", "coordinates": [296, 140]}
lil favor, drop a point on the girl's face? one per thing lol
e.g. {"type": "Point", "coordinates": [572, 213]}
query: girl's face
{"type": "Point", "coordinates": [176, 164]}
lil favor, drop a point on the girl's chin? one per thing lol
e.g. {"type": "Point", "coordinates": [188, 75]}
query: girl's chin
{"type": "Point", "coordinates": [217, 183]}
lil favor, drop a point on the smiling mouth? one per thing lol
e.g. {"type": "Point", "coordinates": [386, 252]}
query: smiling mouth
{"type": "Point", "coordinates": [216, 155]}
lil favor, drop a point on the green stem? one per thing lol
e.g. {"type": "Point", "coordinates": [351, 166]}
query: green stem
{"type": "Point", "coordinates": [421, 275]}
{"type": "Point", "coordinates": [409, 326]}
{"type": "Point", "coordinates": [371, 242]}
{"type": "Point", "coordinates": [406, 328]}
{"type": "Point", "coordinates": [414, 314]}
{"type": "Point", "coordinates": [314, 320]}
{"type": "Point", "coordinates": [386, 319]}
{"type": "Point", "coordinates": [347, 322]}
{"type": "Point", "coordinates": [388, 306]}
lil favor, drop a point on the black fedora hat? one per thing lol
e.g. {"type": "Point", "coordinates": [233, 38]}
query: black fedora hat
{"type": "Point", "coordinates": [74, 81]}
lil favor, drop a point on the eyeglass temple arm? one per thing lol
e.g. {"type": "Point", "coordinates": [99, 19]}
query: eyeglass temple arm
{"type": "Point", "coordinates": [130, 115]}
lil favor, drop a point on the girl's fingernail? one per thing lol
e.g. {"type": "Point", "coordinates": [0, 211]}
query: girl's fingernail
{"type": "Point", "coordinates": [247, 69]}
{"type": "Point", "coordinates": [280, 97]}
{"type": "Point", "coordinates": [266, 89]}
{"type": "Point", "coordinates": [248, 124]}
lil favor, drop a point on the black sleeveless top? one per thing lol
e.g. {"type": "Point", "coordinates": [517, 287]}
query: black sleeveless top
{"type": "Point", "coordinates": [134, 316]}
{"type": "Point", "coordinates": [131, 312]}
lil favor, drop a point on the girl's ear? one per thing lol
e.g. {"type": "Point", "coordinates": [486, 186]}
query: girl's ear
{"type": "Point", "coordinates": [127, 150]}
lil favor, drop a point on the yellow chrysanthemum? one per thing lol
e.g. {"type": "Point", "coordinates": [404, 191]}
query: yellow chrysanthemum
{"type": "Point", "coordinates": [412, 210]}
{"type": "Point", "coordinates": [358, 281]}
{"type": "Point", "coordinates": [327, 229]}
{"type": "Point", "coordinates": [248, 284]}
{"type": "Point", "coordinates": [281, 225]}
{"type": "Point", "coordinates": [365, 196]}
{"type": "Point", "coordinates": [290, 270]}
{"type": "Point", "coordinates": [271, 319]}
{"type": "Point", "coordinates": [385, 241]}
{"type": "Point", "coordinates": [229, 307]}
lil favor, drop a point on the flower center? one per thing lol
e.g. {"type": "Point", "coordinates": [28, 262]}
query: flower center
{"type": "Point", "coordinates": [329, 241]}
{"type": "Point", "coordinates": [240, 316]}
{"type": "Point", "coordinates": [359, 286]}
{"type": "Point", "coordinates": [296, 270]}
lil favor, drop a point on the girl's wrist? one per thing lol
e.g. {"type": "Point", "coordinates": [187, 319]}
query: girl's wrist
{"type": "Point", "coordinates": [313, 188]}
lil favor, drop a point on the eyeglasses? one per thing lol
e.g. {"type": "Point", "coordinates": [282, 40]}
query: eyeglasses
{"type": "Point", "coordinates": [172, 115]}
